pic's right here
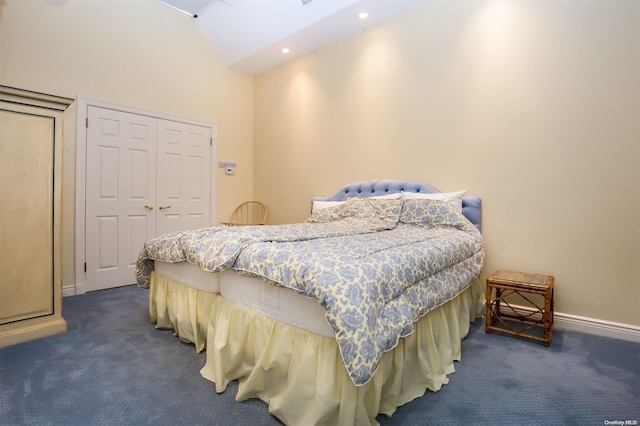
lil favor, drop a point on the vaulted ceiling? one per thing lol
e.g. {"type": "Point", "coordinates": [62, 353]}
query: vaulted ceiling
{"type": "Point", "coordinates": [250, 35]}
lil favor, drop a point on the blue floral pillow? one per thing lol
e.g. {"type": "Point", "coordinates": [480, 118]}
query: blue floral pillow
{"type": "Point", "coordinates": [431, 213]}
{"type": "Point", "coordinates": [384, 210]}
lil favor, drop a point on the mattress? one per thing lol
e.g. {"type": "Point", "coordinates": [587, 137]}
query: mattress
{"type": "Point", "coordinates": [275, 302]}
{"type": "Point", "coordinates": [190, 275]}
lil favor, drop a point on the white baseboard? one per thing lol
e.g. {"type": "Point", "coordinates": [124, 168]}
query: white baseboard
{"type": "Point", "coordinates": [68, 291]}
{"type": "Point", "coordinates": [598, 327]}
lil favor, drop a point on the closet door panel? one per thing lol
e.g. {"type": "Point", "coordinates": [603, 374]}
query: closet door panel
{"type": "Point", "coordinates": [184, 180]}
{"type": "Point", "coordinates": [120, 194]}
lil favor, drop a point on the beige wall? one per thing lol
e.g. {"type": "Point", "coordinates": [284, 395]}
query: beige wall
{"type": "Point", "coordinates": [139, 53]}
{"type": "Point", "coordinates": [532, 105]}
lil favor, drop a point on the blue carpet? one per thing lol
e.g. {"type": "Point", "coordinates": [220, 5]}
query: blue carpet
{"type": "Point", "coordinates": [113, 367]}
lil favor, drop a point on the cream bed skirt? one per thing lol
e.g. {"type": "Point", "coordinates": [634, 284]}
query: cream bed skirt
{"type": "Point", "coordinates": [300, 374]}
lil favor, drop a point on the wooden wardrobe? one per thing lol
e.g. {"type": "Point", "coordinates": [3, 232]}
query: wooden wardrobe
{"type": "Point", "coordinates": [30, 222]}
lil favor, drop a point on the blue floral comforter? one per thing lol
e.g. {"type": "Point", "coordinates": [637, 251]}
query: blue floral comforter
{"type": "Point", "coordinates": [376, 266]}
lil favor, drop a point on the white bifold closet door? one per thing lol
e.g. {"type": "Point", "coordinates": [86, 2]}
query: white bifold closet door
{"type": "Point", "coordinates": [145, 176]}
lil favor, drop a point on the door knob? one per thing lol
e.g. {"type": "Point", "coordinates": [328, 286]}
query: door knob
{"type": "Point", "coordinates": [148, 207]}
{"type": "Point", "coordinates": [164, 207]}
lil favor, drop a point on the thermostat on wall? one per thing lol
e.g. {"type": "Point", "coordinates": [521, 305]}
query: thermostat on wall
{"type": "Point", "coordinates": [228, 166]}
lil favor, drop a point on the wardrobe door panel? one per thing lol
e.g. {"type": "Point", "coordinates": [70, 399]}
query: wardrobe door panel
{"type": "Point", "coordinates": [26, 216]}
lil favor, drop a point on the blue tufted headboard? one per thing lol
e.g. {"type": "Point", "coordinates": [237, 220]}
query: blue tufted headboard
{"type": "Point", "coordinates": [370, 188]}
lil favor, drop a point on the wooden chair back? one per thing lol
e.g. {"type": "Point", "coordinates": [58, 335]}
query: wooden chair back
{"type": "Point", "coordinates": [248, 213]}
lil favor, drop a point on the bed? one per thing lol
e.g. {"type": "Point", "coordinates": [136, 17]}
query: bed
{"type": "Point", "coordinates": [358, 310]}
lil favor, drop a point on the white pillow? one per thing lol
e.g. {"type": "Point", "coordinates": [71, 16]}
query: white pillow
{"type": "Point", "coordinates": [453, 198]}
{"type": "Point", "coordinates": [319, 205]}
{"type": "Point", "coordinates": [394, 196]}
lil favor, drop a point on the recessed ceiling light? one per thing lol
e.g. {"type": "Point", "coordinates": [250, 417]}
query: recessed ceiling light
{"type": "Point", "coordinates": [285, 50]}
{"type": "Point", "coordinates": [363, 15]}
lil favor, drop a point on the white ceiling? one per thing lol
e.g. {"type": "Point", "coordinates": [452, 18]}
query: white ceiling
{"type": "Point", "coordinates": [250, 34]}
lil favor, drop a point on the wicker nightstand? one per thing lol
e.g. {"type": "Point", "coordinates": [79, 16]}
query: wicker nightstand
{"type": "Point", "coordinates": [521, 321]}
